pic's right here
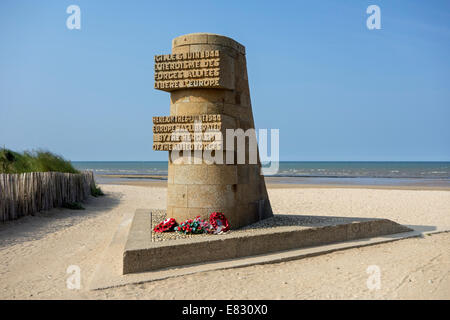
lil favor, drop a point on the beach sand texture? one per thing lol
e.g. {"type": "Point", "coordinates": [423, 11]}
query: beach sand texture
{"type": "Point", "coordinates": [36, 251]}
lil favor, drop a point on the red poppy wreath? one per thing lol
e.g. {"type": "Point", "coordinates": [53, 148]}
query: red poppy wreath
{"type": "Point", "coordinates": [166, 225]}
{"type": "Point", "coordinates": [219, 222]}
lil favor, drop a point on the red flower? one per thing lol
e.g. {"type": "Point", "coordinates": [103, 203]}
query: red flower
{"type": "Point", "coordinates": [165, 225]}
{"type": "Point", "coordinates": [218, 216]}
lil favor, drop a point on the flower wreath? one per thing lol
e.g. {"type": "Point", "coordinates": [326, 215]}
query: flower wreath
{"type": "Point", "coordinates": [195, 226]}
{"type": "Point", "coordinates": [219, 222]}
{"type": "Point", "coordinates": [166, 225]}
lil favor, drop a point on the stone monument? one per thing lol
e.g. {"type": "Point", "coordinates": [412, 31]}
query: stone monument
{"type": "Point", "coordinates": [206, 76]}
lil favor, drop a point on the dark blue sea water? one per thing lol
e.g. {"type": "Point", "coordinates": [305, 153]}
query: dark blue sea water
{"type": "Point", "coordinates": [352, 173]}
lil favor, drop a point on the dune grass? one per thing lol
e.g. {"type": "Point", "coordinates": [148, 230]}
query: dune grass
{"type": "Point", "coordinates": [33, 161]}
{"type": "Point", "coordinates": [39, 161]}
{"type": "Point", "coordinates": [96, 191]}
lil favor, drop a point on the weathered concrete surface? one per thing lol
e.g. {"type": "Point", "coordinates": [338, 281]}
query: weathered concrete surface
{"type": "Point", "coordinates": [237, 190]}
{"type": "Point", "coordinates": [141, 254]}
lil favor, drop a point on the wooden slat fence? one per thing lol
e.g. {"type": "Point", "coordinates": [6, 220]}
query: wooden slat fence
{"type": "Point", "coordinates": [27, 193]}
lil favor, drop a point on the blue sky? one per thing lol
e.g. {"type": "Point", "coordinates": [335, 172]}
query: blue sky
{"type": "Point", "coordinates": [336, 90]}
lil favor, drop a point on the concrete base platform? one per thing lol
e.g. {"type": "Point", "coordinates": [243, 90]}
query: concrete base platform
{"type": "Point", "coordinates": [108, 273]}
{"type": "Point", "coordinates": [283, 233]}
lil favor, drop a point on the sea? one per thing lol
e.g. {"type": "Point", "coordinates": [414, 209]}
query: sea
{"type": "Point", "coordinates": [380, 173]}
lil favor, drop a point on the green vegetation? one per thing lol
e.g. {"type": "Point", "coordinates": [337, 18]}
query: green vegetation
{"type": "Point", "coordinates": [33, 161]}
{"type": "Point", "coordinates": [73, 206]}
{"type": "Point", "coordinates": [96, 191]}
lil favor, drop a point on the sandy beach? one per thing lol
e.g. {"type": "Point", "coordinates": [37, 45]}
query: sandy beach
{"type": "Point", "coordinates": [35, 251]}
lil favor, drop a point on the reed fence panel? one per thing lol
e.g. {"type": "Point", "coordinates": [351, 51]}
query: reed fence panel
{"type": "Point", "coordinates": [27, 193]}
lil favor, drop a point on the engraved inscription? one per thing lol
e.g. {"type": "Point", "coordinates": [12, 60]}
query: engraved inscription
{"type": "Point", "coordinates": [202, 69]}
{"type": "Point", "coordinates": [195, 132]}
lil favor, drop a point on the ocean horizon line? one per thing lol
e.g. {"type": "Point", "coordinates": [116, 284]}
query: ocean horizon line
{"type": "Point", "coordinates": [347, 170]}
